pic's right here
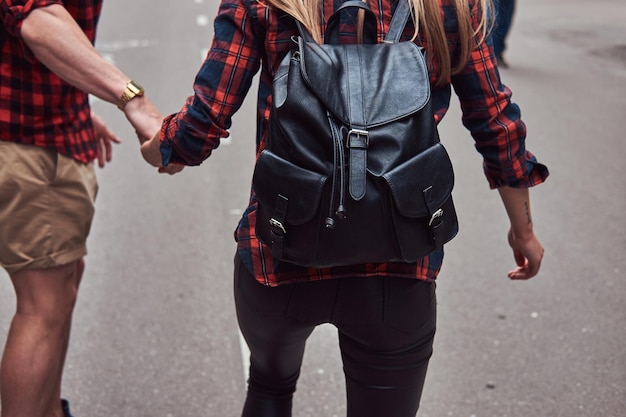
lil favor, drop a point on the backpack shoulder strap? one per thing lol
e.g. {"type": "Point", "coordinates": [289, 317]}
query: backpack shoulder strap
{"type": "Point", "coordinates": [331, 35]}
{"type": "Point", "coordinates": [332, 27]}
{"type": "Point", "coordinates": [353, 3]}
{"type": "Point", "coordinates": [396, 27]}
{"type": "Point", "coordinates": [304, 34]}
{"type": "Point", "coordinates": [398, 21]}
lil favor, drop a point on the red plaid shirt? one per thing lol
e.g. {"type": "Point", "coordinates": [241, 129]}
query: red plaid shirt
{"type": "Point", "coordinates": [249, 34]}
{"type": "Point", "coordinates": [37, 107]}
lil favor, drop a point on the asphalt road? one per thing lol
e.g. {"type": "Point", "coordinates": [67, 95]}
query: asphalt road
{"type": "Point", "coordinates": [154, 330]}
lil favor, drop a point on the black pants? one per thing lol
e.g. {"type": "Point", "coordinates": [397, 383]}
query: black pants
{"type": "Point", "coordinates": [386, 328]}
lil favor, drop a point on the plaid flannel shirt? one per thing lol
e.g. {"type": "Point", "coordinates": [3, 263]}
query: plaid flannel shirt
{"type": "Point", "coordinates": [250, 36]}
{"type": "Point", "coordinates": [37, 107]}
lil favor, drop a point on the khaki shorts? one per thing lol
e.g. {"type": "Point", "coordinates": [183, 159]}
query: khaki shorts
{"type": "Point", "coordinates": [46, 207]}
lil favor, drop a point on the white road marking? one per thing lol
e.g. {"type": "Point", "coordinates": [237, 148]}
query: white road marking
{"type": "Point", "coordinates": [202, 20]}
{"type": "Point", "coordinates": [125, 44]}
{"type": "Point", "coordinates": [245, 356]}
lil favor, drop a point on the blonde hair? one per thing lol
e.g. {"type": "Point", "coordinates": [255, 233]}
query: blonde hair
{"type": "Point", "coordinates": [427, 18]}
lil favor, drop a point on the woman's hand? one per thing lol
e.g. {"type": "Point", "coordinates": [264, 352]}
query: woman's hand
{"type": "Point", "coordinates": [528, 254]}
{"type": "Point", "coordinates": [150, 150]}
{"type": "Point", "coordinates": [527, 250]}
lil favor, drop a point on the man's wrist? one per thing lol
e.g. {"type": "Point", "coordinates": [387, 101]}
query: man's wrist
{"type": "Point", "coordinates": [133, 89]}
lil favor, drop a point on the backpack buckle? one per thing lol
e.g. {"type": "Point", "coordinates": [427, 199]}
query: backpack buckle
{"type": "Point", "coordinates": [277, 225]}
{"type": "Point", "coordinates": [357, 134]}
{"type": "Point", "coordinates": [280, 213]}
{"type": "Point", "coordinates": [357, 142]}
{"type": "Point", "coordinates": [437, 214]}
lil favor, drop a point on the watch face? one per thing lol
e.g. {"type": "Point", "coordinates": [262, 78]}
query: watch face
{"type": "Point", "coordinates": [135, 87]}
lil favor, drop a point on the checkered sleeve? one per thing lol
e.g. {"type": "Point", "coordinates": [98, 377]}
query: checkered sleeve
{"type": "Point", "coordinates": [13, 13]}
{"type": "Point", "coordinates": [220, 87]}
{"type": "Point", "coordinates": [495, 122]}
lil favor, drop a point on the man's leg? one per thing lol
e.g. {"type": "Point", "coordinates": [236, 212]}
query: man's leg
{"type": "Point", "coordinates": [56, 395]}
{"type": "Point", "coordinates": [46, 208]}
{"type": "Point", "coordinates": [32, 363]}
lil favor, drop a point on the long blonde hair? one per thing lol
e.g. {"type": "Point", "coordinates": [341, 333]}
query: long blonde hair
{"type": "Point", "coordinates": [427, 18]}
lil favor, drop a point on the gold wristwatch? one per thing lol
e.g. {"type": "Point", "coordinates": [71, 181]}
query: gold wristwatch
{"type": "Point", "coordinates": [133, 89]}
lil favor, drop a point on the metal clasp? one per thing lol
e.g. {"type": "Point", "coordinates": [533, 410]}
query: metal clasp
{"type": "Point", "coordinates": [437, 214]}
{"type": "Point", "coordinates": [358, 133]}
{"type": "Point", "coordinates": [277, 224]}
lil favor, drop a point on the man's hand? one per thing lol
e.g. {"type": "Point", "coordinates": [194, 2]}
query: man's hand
{"type": "Point", "coordinates": [105, 138]}
{"type": "Point", "coordinates": [147, 120]}
{"type": "Point", "coordinates": [144, 116]}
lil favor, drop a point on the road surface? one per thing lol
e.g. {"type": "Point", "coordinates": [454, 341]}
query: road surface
{"type": "Point", "coordinates": [154, 329]}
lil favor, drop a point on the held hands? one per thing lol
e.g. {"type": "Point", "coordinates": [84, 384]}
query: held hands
{"type": "Point", "coordinates": [144, 116]}
{"type": "Point", "coordinates": [147, 120]}
{"type": "Point", "coordinates": [528, 254]}
{"type": "Point", "coordinates": [152, 154]}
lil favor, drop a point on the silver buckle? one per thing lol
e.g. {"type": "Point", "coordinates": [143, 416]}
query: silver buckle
{"type": "Point", "coordinates": [358, 132]}
{"type": "Point", "coordinates": [277, 224]}
{"type": "Point", "coordinates": [437, 214]}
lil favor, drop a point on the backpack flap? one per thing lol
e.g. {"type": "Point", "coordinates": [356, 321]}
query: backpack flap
{"type": "Point", "coordinates": [366, 85]}
{"type": "Point", "coordinates": [289, 196]}
{"type": "Point", "coordinates": [301, 187]}
{"type": "Point", "coordinates": [430, 170]}
{"type": "Point", "coordinates": [422, 188]}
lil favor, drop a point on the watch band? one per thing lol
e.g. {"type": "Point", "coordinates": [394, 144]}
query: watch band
{"type": "Point", "coordinates": [133, 89]}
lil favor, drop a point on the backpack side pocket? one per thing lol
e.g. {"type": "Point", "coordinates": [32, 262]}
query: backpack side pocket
{"type": "Point", "coordinates": [288, 217]}
{"type": "Point", "coordinates": [423, 212]}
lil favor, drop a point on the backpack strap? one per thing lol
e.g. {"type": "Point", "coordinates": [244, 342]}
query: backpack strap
{"type": "Point", "coordinates": [353, 3]}
{"type": "Point", "coordinates": [436, 222]}
{"type": "Point", "coordinates": [304, 34]}
{"type": "Point", "coordinates": [331, 36]}
{"type": "Point", "coordinates": [396, 27]}
{"type": "Point", "coordinates": [398, 21]}
{"type": "Point", "coordinates": [277, 225]}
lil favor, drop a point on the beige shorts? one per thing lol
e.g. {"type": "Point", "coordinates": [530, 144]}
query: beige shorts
{"type": "Point", "coordinates": [46, 207]}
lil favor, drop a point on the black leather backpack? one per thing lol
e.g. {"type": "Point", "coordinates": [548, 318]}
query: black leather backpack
{"type": "Point", "coordinates": [353, 171]}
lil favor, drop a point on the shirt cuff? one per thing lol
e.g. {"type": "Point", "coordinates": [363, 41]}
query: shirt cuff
{"type": "Point", "coordinates": [166, 147]}
{"type": "Point", "coordinates": [531, 173]}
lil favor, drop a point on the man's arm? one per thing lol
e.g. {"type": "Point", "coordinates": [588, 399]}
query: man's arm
{"type": "Point", "coordinates": [58, 42]}
{"type": "Point", "coordinates": [527, 250]}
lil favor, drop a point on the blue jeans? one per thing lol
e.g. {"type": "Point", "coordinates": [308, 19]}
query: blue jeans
{"type": "Point", "coordinates": [386, 328]}
{"type": "Point", "coordinates": [504, 17]}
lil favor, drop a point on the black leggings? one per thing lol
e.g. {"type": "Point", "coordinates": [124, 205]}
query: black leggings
{"type": "Point", "coordinates": [386, 328]}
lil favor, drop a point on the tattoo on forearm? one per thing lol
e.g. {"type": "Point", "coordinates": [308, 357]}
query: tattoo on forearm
{"type": "Point", "coordinates": [528, 217]}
